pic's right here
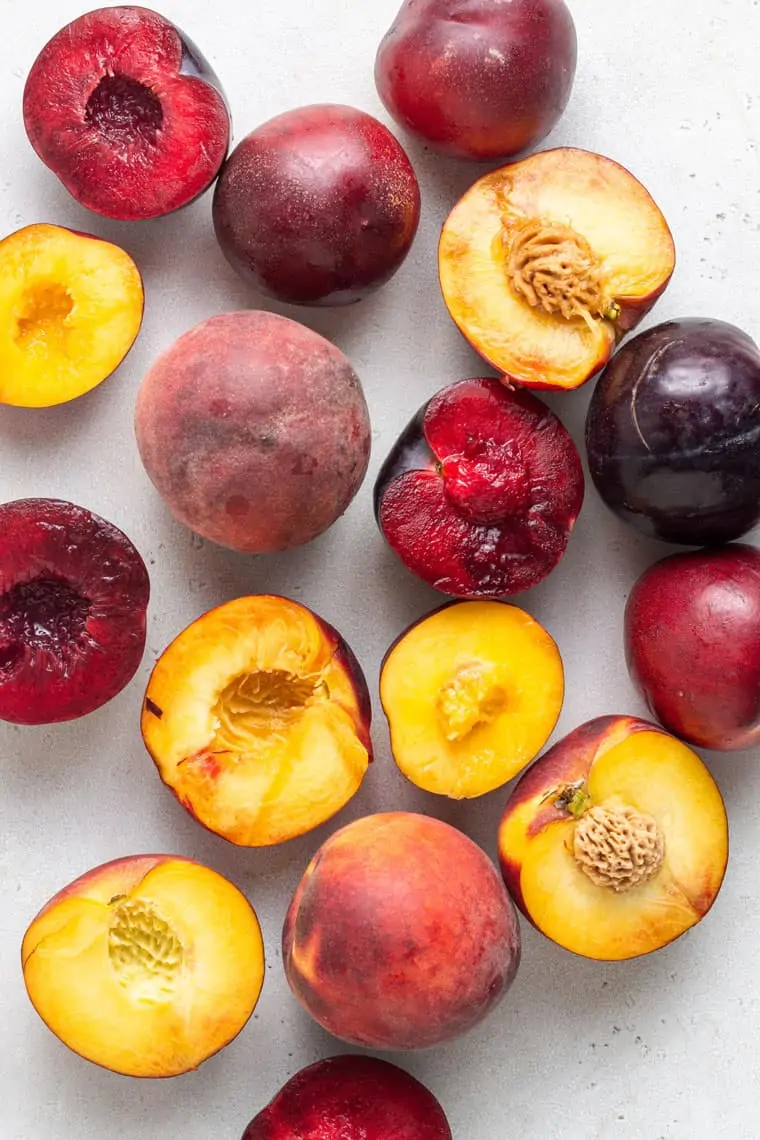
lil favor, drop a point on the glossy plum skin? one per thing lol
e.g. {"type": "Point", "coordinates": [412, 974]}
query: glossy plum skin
{"type": "Point", "coordinates": [318, 206]}
{"type": "Point", "coordinates": [672, 433]}
{"type": "Point", "coordinates": [477, 79]}
{"type": "Point", "coordinates": [351, 1098]}
{"type": "Point", "coordinates": [692, 643]}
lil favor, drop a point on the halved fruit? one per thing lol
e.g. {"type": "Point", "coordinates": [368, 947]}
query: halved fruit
{"type": "Point", "coordinates": [71, 306]}
{"type": "Point", "coordinates": [615, 842]}
{"type": "Point", "coordinates": [472, 693]}
{"type": "Point", "coordinates": [147, 966]}
{"type": "Point", "coordinates": [257, 717]}
{"type": "Point", "coordinates": [546, 263]}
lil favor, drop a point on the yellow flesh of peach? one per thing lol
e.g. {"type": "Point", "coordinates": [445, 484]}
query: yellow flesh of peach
{"type": "Point", "coordinates": [661, 778]}
{"type": "Point", "coordinates": [472, 694]}
{"type": "Point", "coordinates": [257, 734]}
{"type": "Point", "coordinates": [596, 198]}
{"type": "Point", "coordinates": [70, 309]}
{"type": "Point", "coordinates": [150, 982]}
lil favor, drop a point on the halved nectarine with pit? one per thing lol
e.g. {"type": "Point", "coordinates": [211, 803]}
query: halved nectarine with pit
{"type": "Point", "coordinates": [258, 719]}
{"type": "Point", "coordinates": [472, 693]}
{"type": "Point", "coordinates": [146, 966]}
{"type": "Point", "coordinates": [71, 306]}
{"type": "Point", "coordinates": [547, 262]}
{"type": "Point", "coordinates": [615, 842]}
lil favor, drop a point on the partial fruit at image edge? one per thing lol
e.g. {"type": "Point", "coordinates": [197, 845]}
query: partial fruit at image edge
{"type": "Point", "coordinates": [318, 206]}
{"type": "Point", "coordinates": [477, 80]}
{"type": "Point", "coordinates": [671, 432]}
{"type": "Point", "coordinates": [254, 430]}
{"type": "Point", "coordinates": [71, 306]}
{"type": "Point", "coordinates": [615, 842]}
{"type": "Point", "coordinates": [692, 643]}
{"type": "Point", "coordinates": [545, 264]}
{"type": "Point", "coordinates": [124, 109]}
{"type": "Point", "coordinates": [472, 692]}
{"type": "Point", "coordinates": [480, 493]}
{"type": "Point", "coordinates": [351, 1097]}
{"type": "Point", "coordinates": [74, 596]}
{"type": "Point", "coordinates": [258, 717]}
{"type": "Point", "coordinates": [146, 966]}
{"type": "Point", "coordinates": [400, 935]}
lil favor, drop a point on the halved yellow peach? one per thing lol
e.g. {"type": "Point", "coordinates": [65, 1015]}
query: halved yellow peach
{"type": "Point", "coordinates": [71, 306]}
{"type": "Point", "coordinates": [615, 842]}
{"type": "Point", "coordinates": [546, 263]}
{"type": "Point", "coordinates": [147, 966]}
{"type": "Point", "coordinates": [472, 693]}
{"type": "Point", "coordinates": [257, 717]}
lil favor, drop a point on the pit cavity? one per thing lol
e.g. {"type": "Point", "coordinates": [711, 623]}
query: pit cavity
{"type": "Point", "coordinates": [46, 308]}
{"type": "Point", "coordinates": [553, 267]}
{"type": "Point", "coordinates": [474, 696]}
{"type": "Point", "coordinates": [46, 614]}
{"type": "Point", "coordinates": [265, 701]}
{"type": "Point", "coordinates": [123, 110]}
{"type": "Point", "coordinates": [618, 847]}
{"type": "Point", "coordinates": [145, 953]}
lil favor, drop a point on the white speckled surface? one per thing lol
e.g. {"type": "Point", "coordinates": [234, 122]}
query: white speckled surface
{"type": "Point", "coordinates": [666, 1047]}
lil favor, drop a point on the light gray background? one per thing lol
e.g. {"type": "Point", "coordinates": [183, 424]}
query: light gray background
{"type": "Point", "coordinates": [666, 1047]}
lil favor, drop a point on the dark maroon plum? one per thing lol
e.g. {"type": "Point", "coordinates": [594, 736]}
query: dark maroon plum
{"type": "Point", "coordinates": [318, 206]}
{"type": "Point", "coordinates": [481, 492]}
{"type": "Point", "coordinates": [692, 642]}
{"type": "Point", "coordinates": [125, 110]}
{"type": "Point", "coordinates": [673, 433]}
{"type": "Point", "coordinates": [478, 79]}
{"type": "Point", "coordinates": [73, 599]}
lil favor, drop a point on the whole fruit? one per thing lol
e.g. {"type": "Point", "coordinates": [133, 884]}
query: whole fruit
{"type": "Point", "coordinates": [672, 432]}
{"type": "Point", "coordinates": [479, 79]}
{"type": "Point", "coordinates": [254, 430]}
{"type": "Point", "coordinates": [318, 206]}
{"type": "Point", "coordinates": [692, 642]}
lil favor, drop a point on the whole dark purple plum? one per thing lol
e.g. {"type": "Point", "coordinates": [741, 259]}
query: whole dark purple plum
{"type": "Point", "coordinates": [673, 432]}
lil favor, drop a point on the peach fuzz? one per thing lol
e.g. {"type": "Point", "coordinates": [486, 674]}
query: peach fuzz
{"type": "Point", "coordinates": [258, 718]}
{"type": "Point", "coordinates": [472, 693]}
{"type": "Point", "coordinates": [615, 842]}
{"type": "Point", "coordinates": [400, 934]}
{"type": "Point", "coordinates": [146, 966]}
{"type": "Point", "coordinates": [71, 306]}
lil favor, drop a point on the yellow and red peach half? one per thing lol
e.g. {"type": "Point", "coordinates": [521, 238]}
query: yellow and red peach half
{"type": "Point", "coordinates": [546, 263]}
{"type": "Point", "coordinates": [258, 718]}
{"type": "Point", "coordinates": [615, 842]}
{"type": "Point", "coordinates": [146, 966]}
{"type": "Point", "coordinates": [71, 306]}
{"type": "Point", "coordinates": [472, 693]}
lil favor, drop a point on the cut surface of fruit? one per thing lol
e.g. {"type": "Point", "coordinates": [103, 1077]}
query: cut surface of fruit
{"type": "Point", "coordinates": [616, 841]}
{"type": "Point", "coordinates": [146, 966]}
{"type": "Point", "coordinates": [73, 599]}
{"type": "Point", "coordinates": [472, 693]}
{"type": "Point", "coordinates": [545, 263]}
{"type": "Point", "coordinates": [257, 717]}
{"type": "Point", "coordinates": [71, 306]}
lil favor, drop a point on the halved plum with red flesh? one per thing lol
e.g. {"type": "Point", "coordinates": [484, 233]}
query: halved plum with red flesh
{"type": "Point", "coordinates": [124, 109]}
{"type": "Point", "coordinates": [481, 492]}
{"type": "Point", "coordinates": [73, 599]}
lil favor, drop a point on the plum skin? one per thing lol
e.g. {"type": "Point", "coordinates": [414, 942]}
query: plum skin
{"type": "Point", "coordinates": [319, 205]}
{"type": "Point", "coordinates": [671, 432]}
{"type": "Point", "coordinates": [692, 645]}
{"type": "Point", "coordinates": [478, 81]}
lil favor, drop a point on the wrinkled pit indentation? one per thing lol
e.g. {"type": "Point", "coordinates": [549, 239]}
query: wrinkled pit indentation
{"type": "Point", "coordinates": [45, 614]}
{"type": "Point", "coordinates": [123, 110]}
{"type": "Point", "coordinates": [43, 317]}
{"type": "Point", "coordinates": [145, 952]}
{"type": "Point", "coordinates": [262, 702]}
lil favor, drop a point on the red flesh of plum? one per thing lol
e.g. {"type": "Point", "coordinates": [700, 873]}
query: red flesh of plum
{"type": "Point", "coordinates": [351, 1098]}
{"type": "Point", "coordinates": [318, 206]}
{"type": "Point", "coordinates": [73, 599]}
{"type": "Point", "coordinates": [480, 493]}
{"type": "Point", "coordinates": [692, 642]}
{"type": "Point", "coordinates": [478, 79]}
{"type": "Point", "coordinates": [124, 109]}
